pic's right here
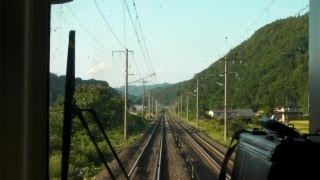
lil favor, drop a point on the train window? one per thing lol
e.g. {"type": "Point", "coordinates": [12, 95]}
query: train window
{"type": "Point", "coordinates": [138, 61]}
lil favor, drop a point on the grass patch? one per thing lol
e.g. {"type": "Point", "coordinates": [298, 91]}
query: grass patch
{"type": "Point", "coordinates": [214, 129]}
{"type": "Point", "coordinates": [84, 160]}
{"type": "Point", "coordinates": [211, 128]}
{"type": "Point", "coordinates": [301, 126]}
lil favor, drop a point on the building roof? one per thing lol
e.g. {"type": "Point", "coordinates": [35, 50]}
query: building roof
{"type": "Point", "coordinates": [287, 106]}
{"type": "Point", "coordinates": [239, 112]}
{"type": "Point", "coordinates": [245, 112]}
{"type": "Point", "coordinates": [138, 107]}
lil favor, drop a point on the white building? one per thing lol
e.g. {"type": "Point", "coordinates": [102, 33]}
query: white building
{"type": "Point", "coordinates": [286, 113]}
{"type": "Point", "coordinates": [246, 114]}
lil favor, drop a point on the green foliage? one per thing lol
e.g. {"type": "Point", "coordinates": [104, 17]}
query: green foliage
{"type": "Point", "coordinates": [108, 106]}
{"type": "Point", "coordinates": [236, 124]}
{"type": "Point", "coordinates": [54, 165]}
{"type": "Point", "coordinates": [135, 124]}
{"type": "Point", "coordinates": [135, 92]}
{"type": "Point", "coordinates": [273, 72]}
{"type": "Point", "coordinates": [56, 87]}
{"type": "Point", "coordinates": [57, 84]}
{"type": "Point", "coordinates": [84, 160]}
{"type": "Point", "coordinates": [255, 123]}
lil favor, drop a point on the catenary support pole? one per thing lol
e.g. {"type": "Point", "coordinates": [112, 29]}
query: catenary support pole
{"type": "Point", "coordinates": [314, 65]}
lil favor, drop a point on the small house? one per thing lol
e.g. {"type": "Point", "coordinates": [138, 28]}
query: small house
{"type": "Point", "coordinates": [246, 114]}
{"type": "Point", "coordinates": [286, 113]}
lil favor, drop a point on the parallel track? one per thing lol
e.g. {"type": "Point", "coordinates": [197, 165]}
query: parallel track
{"type": "Point", "coordinates": [203, 158]}
{"type": "Point", "coordinates": [213, 155]}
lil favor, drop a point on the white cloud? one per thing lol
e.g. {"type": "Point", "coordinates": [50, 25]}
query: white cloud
{"type": "Point", "coordinates": [97, 68]}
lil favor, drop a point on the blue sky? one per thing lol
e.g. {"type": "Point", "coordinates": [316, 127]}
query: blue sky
{"type": "Point", "coordinates": [178, 38]}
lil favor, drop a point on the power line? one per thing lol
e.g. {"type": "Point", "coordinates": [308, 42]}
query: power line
{"type": "Point", "coordinates": [85, 27]}
{"type": "Point", "coordinates": [124, 24]}
{"type": "Point", "coordinates": [144, 42]}
{"type": "Point", "coordinates": [302, 10]}
{"type": "Point", "coordinates": [136, 33]}
{"type": "Point", "coordinates": [257, 19]}
{"type": "Point", "coordinates": [135, 63]}
{"type": "Point", "coordinates": [124, 27]}
{"type": "Point", "coordinates": [83, 36]}
{"type": "Point", "coordinates": [107, 23]}
{"type": "Point", "coordinates": [94, 46]}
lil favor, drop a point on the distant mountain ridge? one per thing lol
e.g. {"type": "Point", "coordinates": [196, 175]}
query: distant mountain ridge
{"type": "Point", "coordinates": [57, 85]}
{"type": "Point", "coordinates": [274, 71]}
{"type": "Point", "coordinates": [136, 90]}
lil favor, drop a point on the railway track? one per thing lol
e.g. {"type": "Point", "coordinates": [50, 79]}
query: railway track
{"type": "Point", "coordinates": [148, 163]}
{"type": "Point", "coordinates": [174, 150]}
{"type": "Point", "coordinates": [208, 150]}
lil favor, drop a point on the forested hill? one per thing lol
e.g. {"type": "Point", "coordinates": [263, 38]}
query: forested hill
{"type": "Point", "coordinates": [273, 71]}
{"type": "Point", "coordinates": [57, 84]}
{"type": "Point", "coordinates": [108, 104]}
{"type": "Point", "coordinates": [138, 90]}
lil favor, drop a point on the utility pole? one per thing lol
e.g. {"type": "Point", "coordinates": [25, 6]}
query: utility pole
{"type": "Point", "coordinates": [225, 97]}
{"type": "Point", "coordinates": [181, 106]}
{"type": "Point", "coordinates": [149, 106]}
{"type": "Point", "coordinates": [156, 107]}
{"type": "Point", "coordinates": [152, 105]}
{"type": "Point", "coordinates": [125, 131]}
{"type": "Point", "coordinates": [187, 106]}
{"type": "Point", "coordinates": [225, 100]}
{"type": "Point", "coordinates": [178, 107]}
{"type": "Point", "coordinates": [197, 111]}
{"type": "Point", "coordinates": [314, 66]}
{"type": "Point", "coordinates": [143, 82]}
{"type": "Point", "coordinates": [126, 99]}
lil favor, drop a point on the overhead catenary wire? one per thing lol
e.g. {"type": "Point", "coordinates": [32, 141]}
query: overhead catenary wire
{"type": "Point", "coordinates": [137, 67]}
{"type": "Point", "coordinates": [124, 30]}
{"type": "Point", "coordinates": [256, 20]}
{"type": "Point", "coordinates": [85, 27]}
{"type": "Point", "coordinates": [302, 10]}
{"type": "Point", "coordinates": [263, 12]}
{"type": "Point", "coordinates": [139, 41]}
{"type": "Point", "coordinates": [108, 25]}
{"type": "Point", "coordinates": [91, 40]}
{"type": "Point", "coordinates": [136, 33]}
{"type": "Point", "coordinates": [144, 41]}
{"type": "Point", "coordinates": [124, 24]}
{"type": "Point", "coordinates": [83, 36]}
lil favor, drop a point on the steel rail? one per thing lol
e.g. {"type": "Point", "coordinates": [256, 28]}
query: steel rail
{"type": "Point", "coordinates": [212, 162]}
{"type": "Point", "coordinates": [188, 159]}
{"type": "Point", "coordinates": [158, 167]}
{"type": "Point", "coordinates": [208, 145]}
{"type": "Point", "coordinates": [191, 138]}
{"type": "Point", "coordinates": [205, 142]}
{"type": "Point", "coordinates": [132, 171]}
